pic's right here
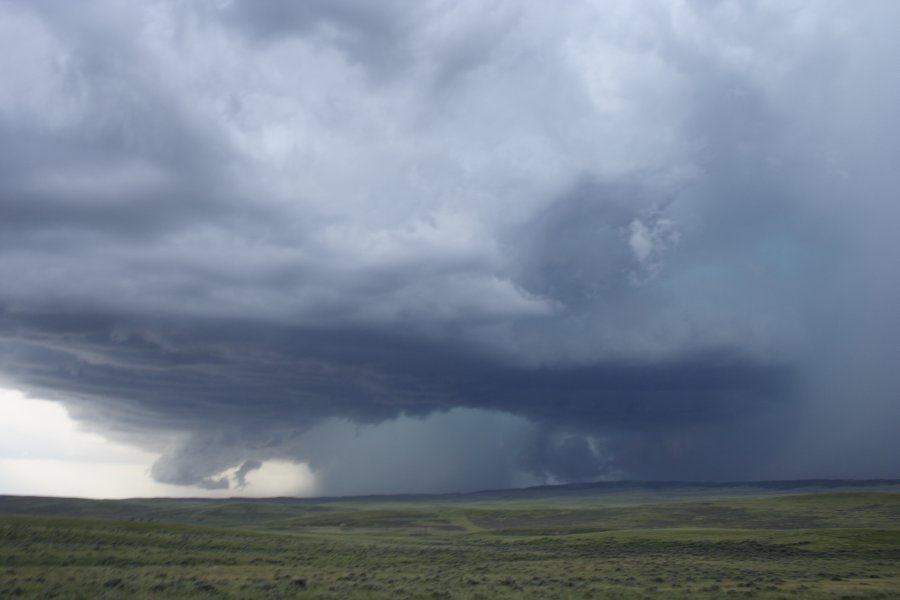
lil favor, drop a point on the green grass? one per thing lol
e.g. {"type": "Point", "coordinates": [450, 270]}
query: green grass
{"type": "Point", "coordinates": [822, 545]}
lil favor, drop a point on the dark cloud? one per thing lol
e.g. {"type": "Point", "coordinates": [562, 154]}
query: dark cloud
{"type": "Point", "coordinates": [254, 389]}
{"type": "Point", "coordinates": [533, 244]}
{"type": "Point", "coordinates": [377, 37]}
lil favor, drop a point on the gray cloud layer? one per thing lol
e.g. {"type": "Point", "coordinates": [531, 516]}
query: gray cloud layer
{"type": "Point", "coordinates": [537, 243]}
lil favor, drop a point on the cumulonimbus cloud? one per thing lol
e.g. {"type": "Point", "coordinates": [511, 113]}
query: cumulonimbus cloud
{"type": "Point", "coordinates": [648, 235]}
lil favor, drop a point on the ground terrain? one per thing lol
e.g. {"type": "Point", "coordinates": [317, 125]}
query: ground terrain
{"type": "Point", "coordinates": [780, 540]}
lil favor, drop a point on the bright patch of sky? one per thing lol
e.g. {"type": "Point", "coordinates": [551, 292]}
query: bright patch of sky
{"type": "Point", "coordinates": [43, 452]}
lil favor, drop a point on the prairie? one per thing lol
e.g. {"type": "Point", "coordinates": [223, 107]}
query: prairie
{"type": "Point", "coordinates": [612, 541]}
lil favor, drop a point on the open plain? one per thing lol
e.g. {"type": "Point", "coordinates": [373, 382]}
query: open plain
{"type": "Point", "coordinates": [779, 540]}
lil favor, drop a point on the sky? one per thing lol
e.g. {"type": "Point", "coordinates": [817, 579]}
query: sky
{"type": "Point", "coordinates": [262, 247]}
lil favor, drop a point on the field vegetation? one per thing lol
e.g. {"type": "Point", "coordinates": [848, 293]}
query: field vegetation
{"type": "Point", "coordinates": [620, 543]}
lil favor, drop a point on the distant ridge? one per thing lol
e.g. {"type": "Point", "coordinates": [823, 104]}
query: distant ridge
{"type": "Point", "coordinates": [601, 489]}
{"type": "Point", "coordinates": [774, 484]}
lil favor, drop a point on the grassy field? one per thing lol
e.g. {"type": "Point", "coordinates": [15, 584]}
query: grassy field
{"type": "Point", "coordinates": [609, 543]}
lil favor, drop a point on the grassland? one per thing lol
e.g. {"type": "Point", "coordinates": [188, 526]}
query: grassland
{"type": "Point", "coordinates": [609, 543]}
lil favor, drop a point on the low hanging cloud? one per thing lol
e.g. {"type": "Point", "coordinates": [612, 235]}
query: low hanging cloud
{"type": "Point", "coordinates": [594, 241]}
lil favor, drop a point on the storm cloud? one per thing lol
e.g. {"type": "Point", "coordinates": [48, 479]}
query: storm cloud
{"type": "Point", "coordinates": [441, 246]}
